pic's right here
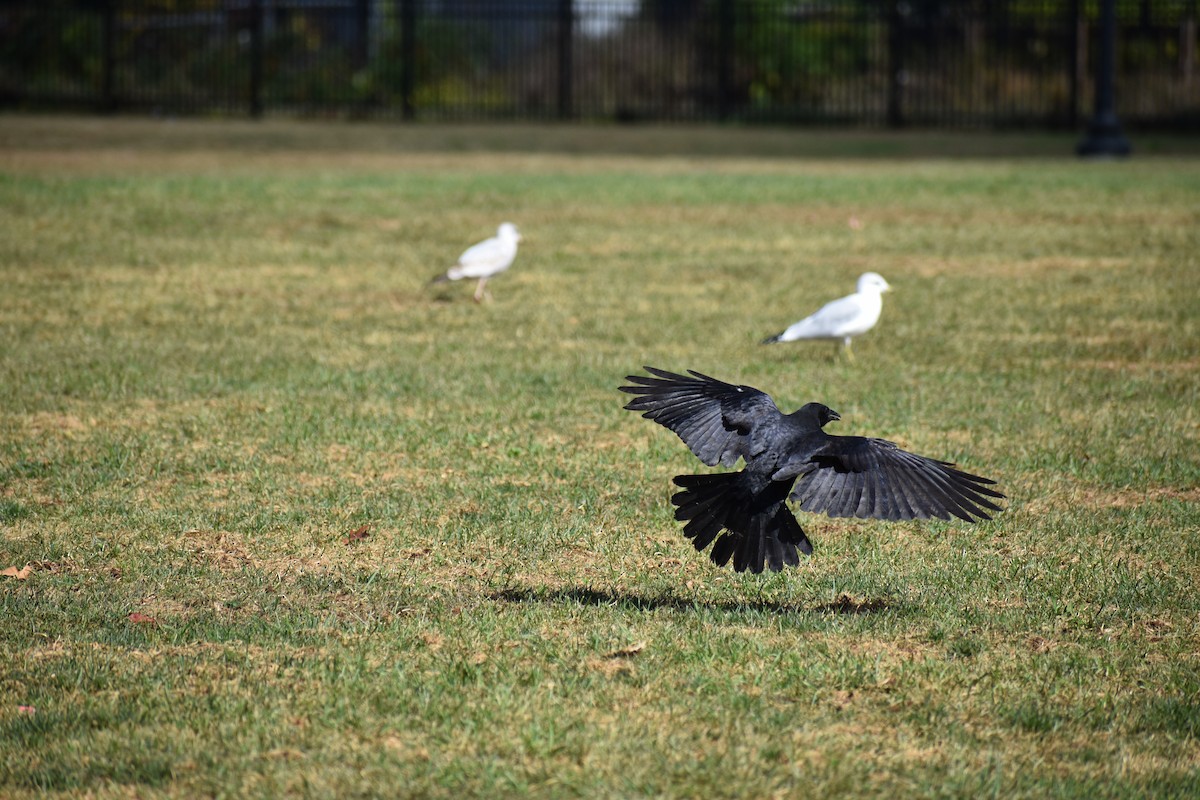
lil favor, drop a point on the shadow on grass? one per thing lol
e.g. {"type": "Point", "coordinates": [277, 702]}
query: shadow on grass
{"type": "Point", "coordinates": [581, 595]}
{"type": "Point", "coordinates": [280, 137]}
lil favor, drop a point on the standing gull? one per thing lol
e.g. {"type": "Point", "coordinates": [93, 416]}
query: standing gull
{"type": "Point", "coordinates": [844, 318]}
{"type": "Point", "coordinates": [789, 456]}
{"type": "Point", "coordinates": [486, 259]}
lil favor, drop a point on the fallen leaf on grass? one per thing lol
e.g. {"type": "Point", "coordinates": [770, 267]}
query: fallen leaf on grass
{"type": "Point", "coordinates": [139, 618]}
{"type": "Point", "coordinates": [20, 574]}
{"type": "Point", "coordinates": [626, 652]}
{"type": "Point", "coordinates": [357, 535]}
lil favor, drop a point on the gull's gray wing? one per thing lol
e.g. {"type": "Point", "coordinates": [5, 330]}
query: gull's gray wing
{"type": "Point", "coordinates": [828, 321]}
{"type": "Point", "coordinates": [485, 258]}
{"type": "Point", "coordinates": [718, 421]}
{"type": "Point", "coordinates": [854, 476]}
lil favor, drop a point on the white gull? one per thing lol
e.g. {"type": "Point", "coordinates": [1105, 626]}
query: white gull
{"type": "Point", "coordinates": [485, 260]}
{"type": "Point", "coordinates": [844, 318]}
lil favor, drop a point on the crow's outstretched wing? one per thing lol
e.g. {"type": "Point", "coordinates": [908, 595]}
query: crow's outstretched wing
{"type": "Point", "coordinates": [854, 476]}
{"type": "Point", "coordinates": [718, 421]}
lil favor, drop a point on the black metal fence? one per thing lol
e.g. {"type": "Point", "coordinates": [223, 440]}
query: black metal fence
{"type": "Point", "coordinates": [976, 63]}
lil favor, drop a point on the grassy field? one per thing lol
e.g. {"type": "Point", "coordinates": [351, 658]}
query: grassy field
{"type": "Point", "coordinates": [220, 366]}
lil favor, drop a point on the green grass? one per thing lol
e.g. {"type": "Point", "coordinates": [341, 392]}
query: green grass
{"type": "Point", "coordinates": [219, 356]}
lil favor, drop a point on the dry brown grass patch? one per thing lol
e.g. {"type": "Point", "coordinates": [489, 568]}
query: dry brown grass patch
{"type": "Point", "coordinates": [1132, 497]}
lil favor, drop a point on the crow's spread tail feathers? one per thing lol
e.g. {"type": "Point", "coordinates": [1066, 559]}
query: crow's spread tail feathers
{"type": "Point", "coordinates": [755, 531]}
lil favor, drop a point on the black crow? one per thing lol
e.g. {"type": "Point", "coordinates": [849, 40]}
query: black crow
{"type": "Point", "coordinates": [789, 456]}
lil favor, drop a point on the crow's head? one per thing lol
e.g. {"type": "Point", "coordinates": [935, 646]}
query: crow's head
{"type": "Point", "coordinates": [819, 413]}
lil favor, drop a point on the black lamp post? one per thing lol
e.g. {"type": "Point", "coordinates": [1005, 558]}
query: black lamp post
{"type": "Point", "coordinates": [1104, 137]}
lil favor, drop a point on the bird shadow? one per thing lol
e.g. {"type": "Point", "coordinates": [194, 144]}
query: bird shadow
{"type": "Point", "coordinates": [638, 601]}
{"type": "Point", "coordinates": [440, 297]}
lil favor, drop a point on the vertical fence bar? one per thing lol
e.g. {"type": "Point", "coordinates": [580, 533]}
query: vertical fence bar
{"type": "Point", "coordinates": [362, 33]}
{"type": "Point", "coordinates": [566, 57]}
{"type": "Point", "coordinates": [725, 44]}
{"type": "Point", "coordinates": [256, 58]}
{"type": "Point", "coordinates": [108, 56]}
{"type": "Point", "coordinates": [1187, 47]}
{"type": "Point", "coordinates": [1074, 66]}
{"type": "Point", "coordinates": [408, 57]}
{"type": "Point", "coordinates": [895, 65]}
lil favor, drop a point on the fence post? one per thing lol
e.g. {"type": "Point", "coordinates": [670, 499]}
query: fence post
{"type": "Point", "coordinates": [1104, 137]}
{"type": "Point", "coordinates": [256, 58]}
{"type": "Point", "coordinates": [408, 57]}
{"type": "Point", "coordinates": [108, 56]}
{"type": "Point", "coordinates": [725, 44]}
{"type": "Point", "coordinates": [566, 41]}
{"type": "Point", "coordinates": [895, 22]}
{"type": "Point", "coordinates": [1187, 48]}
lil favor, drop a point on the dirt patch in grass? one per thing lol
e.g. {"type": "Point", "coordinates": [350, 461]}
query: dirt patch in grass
{"type": "Point", "coordinates": [1057, 491]}
{"type": "Point", "coordinates": [46, 422]}
{"type": "Point", "coordinates": [1130, 496]}
{"type": "Point", "coordinates": [223, 549]}
{"type": "Point", "coordinates": [1138, 366]}
{"type": "Point", "coordinates": [1012, 268]}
